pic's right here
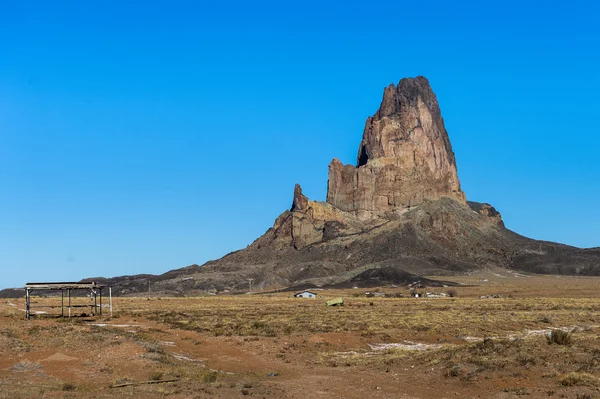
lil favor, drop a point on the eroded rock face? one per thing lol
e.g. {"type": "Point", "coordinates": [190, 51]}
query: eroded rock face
{"type": "Point", "coordinates": [300, 202]}
{"type": "Point", "coordinates": [404, 159]}
{"type": "Point", "coordinates": [405, 156]}
{"type": "Point", "coordinates": [309, 222]}
{"type": "Point", "coordinates": [486, 210]}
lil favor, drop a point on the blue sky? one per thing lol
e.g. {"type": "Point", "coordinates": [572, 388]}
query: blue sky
{"type": "Point", "coordinates": [138, 137]}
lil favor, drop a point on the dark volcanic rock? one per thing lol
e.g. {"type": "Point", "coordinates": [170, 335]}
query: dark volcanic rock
{"type": "Point", "coordinates": [391, 275]}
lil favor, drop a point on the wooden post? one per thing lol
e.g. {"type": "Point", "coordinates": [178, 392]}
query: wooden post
{"type": "Point", "coordinates": [69, 294]}
{"type": "Point", "coordinates": [100, 301]}
{"type": "Point", "coordinates": [62, 303]}
{"type": "Point", "coordinates": [27, 303]}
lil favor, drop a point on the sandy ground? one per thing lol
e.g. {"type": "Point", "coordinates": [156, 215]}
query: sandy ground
{"type": "Point", "coordinates": [298, 348]}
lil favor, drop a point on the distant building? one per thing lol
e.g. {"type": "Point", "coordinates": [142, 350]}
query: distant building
{"type": "Point", "coordinates": [371, 294]}
{"type": "Point", "coordinates": [305, 294]}
{"type": "Point", "coordinates": [435, 295]}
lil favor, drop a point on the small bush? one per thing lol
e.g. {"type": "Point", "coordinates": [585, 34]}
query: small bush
{"type": "Point", "coordinates": [452, 293]}
{"type": "Point", "coordinates": [454, 371]}
{"type": "Point", "coordinates": [559, 337]}
{"type": "Point", "coordinates": [68, 386]}
{"type": "Point", "coordinates": [35, 330]}
{"type": "Point", "coordinates": [258, 325]}
{"type": "Point", "coordinates": [153, 348]}
{"type": "Point", "coordinates": [210, 376]}
{"type": "Point", "coordinates": [288, 329]}
{"type": "Point", "coordinates": [156, 375]}
{"type": "Point", "coordinates": [585, 379]}
{"type": "Point", "coordinates": [8, 333]}
{"type": "Point", "coordinates": [524, 359]}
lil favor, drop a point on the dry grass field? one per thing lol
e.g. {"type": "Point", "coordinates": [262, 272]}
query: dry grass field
{"type": "Point", "coordinates": [539, 339]}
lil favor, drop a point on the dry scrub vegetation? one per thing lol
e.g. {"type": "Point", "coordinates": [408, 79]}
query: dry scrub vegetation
{"type": "Point", "coordinates": [273, 346]}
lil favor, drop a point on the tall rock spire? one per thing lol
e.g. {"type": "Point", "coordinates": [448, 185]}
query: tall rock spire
{"type": "Point", "coordinates": [404, 158]}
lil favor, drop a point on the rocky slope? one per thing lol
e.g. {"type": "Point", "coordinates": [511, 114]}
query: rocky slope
{"type": "Point", "coordinates": [397, 214]}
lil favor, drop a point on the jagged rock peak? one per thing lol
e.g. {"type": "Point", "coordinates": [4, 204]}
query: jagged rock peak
{"type": "Point", "coordinates": [300, 202]}
{"type": "Point", "coordinates": [414, 107]}
{"type": "Point", "coordinates": [409, 90]}
{"type": "Point", "coordinates": [404, 158]}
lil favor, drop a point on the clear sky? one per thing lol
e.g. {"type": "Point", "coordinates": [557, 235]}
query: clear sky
{"type": "Point", "coordinates": [139, 137]}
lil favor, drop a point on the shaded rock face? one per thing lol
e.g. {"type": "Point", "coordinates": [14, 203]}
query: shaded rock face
{"type": "Point", "coordinates": [405, 156]}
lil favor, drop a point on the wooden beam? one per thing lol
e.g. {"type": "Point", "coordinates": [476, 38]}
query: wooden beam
{"type": "Point", "coordinates": [128, 384]}
{"type": "Point", "coordinates": [62, 286]}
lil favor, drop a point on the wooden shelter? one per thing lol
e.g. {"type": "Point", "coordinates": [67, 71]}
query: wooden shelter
{"type": "Point", "coordinates": [95, 295]}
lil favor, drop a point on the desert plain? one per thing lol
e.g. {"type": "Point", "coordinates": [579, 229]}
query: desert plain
{"type": "Point", "coordinates": [501, 334]}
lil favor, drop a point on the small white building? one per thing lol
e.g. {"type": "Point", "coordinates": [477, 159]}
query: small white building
{"type": "Point", "coordinates": [305, 294]}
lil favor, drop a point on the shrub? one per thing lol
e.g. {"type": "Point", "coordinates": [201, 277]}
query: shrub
{"type": "Point", "coordinates": [454, 371]}
{"type": "Point", "coordinates": [35, 330]}
{"type": "Point", "coordinates": [68, 386]}
{"type": "Point", "coordinates": [288, 328]}
{"type": "Point", "coordinates": [559, 337]}
{"type": "Point", "coordinates": [156, 375]}
{"type": "Point", "coordinates": [153, 348]}
{"type": "Point", "coordinates": [210, 376]}
{"type": "Point", "coordinates": [585, 379]}
{"type": "Point", "coordinates": [452, 293]}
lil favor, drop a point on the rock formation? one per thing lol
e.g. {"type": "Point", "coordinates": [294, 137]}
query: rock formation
{"type": "Point", "coordinates": [308, 222]}
{"type": "Point", "coordinates": [488, 211]}
{"type": "Point", "coordinates": [397, 215]}
{"type": "Point", "coordinates": [404, 158]}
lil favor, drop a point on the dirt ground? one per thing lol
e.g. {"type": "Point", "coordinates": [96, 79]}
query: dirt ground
{"type": "Point", "coordinates": [274, 346]}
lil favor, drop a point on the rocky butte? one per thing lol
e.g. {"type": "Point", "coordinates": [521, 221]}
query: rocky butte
{"type": "Point", "coordinates": [405, 158]}
{"type": "Point", "coordinates": [397, 215]}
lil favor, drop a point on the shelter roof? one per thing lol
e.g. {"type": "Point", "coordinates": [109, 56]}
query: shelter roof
{"type": "Point", "coordinates": [64, 285]}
